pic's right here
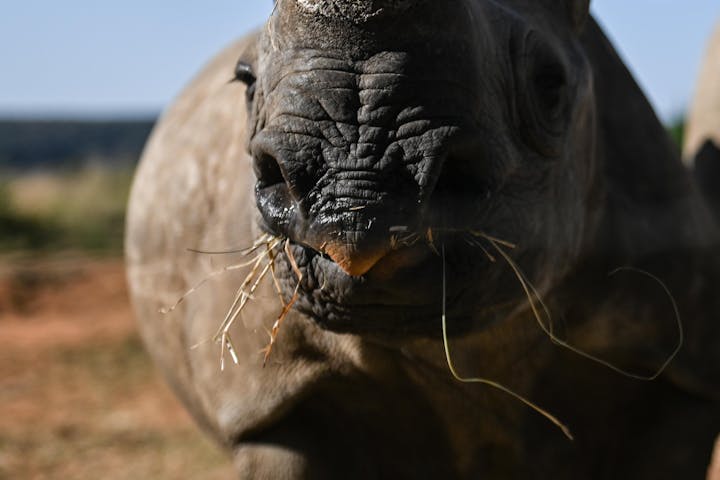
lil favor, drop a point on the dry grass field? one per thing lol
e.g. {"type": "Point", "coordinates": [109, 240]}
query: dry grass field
{"type": "Point", "coordinates": [79, 397]}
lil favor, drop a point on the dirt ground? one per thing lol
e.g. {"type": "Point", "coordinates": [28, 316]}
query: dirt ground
{"type": "Point", "coordinates": [79, 397]}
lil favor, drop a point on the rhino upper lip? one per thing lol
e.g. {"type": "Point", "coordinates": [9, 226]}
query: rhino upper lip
{"type": "Point", "coordinates": [322, 261]}
{"type": "Point", "coordinates": [367, 291]}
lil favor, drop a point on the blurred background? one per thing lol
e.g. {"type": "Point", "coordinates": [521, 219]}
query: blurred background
{"type": "Point", "coordinates": [82, 84]}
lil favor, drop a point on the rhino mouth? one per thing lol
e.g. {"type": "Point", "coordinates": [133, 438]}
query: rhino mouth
{"type": "Point", "coordinates": [387, 275]}
{"type": "Point", "coordinates": [401, 295]}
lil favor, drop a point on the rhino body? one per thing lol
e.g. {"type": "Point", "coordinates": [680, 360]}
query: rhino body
{"type": "Point", "coordinates": [703, 121]}
{"type": "Point", "coordinates": [358, 120]}
{"type": "Point", "coordinates": [701, 151]}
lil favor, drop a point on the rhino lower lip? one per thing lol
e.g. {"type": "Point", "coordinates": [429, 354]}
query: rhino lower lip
{"type": "Point", "coordinates": [391, 293]}
{"type": "Point", "coordinates": [402, 294]}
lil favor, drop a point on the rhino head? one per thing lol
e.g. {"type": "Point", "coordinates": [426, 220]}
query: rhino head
{"type": "Point", "coordinates": [391, 140]}
{"type": "Point", "coordinates": [385, 131]}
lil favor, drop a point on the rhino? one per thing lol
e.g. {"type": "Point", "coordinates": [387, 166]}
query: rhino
{"type": "Point", "coordinates": [703, 122]}
{"type": "Point", "coordinates": [701, 150]}
{"type": "Point", "coordinates": [437, 215]}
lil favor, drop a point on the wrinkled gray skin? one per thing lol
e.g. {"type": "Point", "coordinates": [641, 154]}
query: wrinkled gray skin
{"type": "Point", "coordinates": [513, 118]}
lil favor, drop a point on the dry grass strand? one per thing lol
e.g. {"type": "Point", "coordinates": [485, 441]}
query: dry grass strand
{"type": "Point", "coordinates": [286, 307]}
{"type": "Point", "coordinates": [451, 366]}
{"type": "Point", "coordinates": [533, 296]}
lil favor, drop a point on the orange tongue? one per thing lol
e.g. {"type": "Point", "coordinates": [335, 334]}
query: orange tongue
{"type": "Point", "coordinates": [353, 262]}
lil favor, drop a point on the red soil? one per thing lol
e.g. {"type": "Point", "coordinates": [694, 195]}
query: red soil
{"type": "Point", "coordinates": [78, 395]}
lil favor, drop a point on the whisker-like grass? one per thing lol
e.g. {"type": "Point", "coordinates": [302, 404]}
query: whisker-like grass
{"type": "Point", "coordinates": [492, 239]}
{"type": "Point", "coordinates": [262, 240]}
{"type": "Point", "coordinates": [474, 242]}
{"type": "Point", "coordinates": [241, 293]}
{"type": "Point", "coordinates": [231, 316]}
{"type": "Point", "coordinates": [431, 241]}
{"type": "Point", "coordinates": [262, 263]}
{"type": "Point", "coordinates": [286, 308]}
{"type": "Point", "coordinates": [271, 255]}
{"type": "Point", "coordinates": [211, 275]}
{"type": "Point", "coordinates": [533, 295]}
{"type": "Point", "coordinates": [676, 311]}
{"type": "Point", "coordinates": [485, 381]}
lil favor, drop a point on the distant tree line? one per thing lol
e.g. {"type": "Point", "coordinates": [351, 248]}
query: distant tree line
{"type": "Point", "coordinates": [29, 144]}
{"type": "Point", "coordinates": [65, 144]}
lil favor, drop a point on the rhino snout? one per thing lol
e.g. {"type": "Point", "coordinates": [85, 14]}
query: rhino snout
{"type": "Point", "coordinates": [346, 212]}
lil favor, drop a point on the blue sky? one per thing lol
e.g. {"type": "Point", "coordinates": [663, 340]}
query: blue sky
{"type": "Point", "coordinates": [93, 58]}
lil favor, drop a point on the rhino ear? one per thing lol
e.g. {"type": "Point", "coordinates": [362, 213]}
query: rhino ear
{"type": "Point", "coordinates": [578, 12]}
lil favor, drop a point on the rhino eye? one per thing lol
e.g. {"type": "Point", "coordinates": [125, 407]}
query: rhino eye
{"type": "Point", "coordinates": [541, 93]}
{"type": "Point", "coordinates": [550, 88]}
{"type": "Point", "coordinates": [244, 73]}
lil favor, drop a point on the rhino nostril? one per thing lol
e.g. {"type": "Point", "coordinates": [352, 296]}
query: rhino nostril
{"type": "Point", "coordinates": [290, 177]}
{"type": "Point", "coordinates": [267, 171]}
{"type": "Point", "coordinates": [272, 195]}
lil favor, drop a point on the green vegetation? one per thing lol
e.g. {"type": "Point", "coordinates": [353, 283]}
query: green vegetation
{"type": "Point", "coordinates": [676, 129]}
{"type": "Point", "coordinates": [16, 231]}
{"type": "Point", "coordinates": [64, 184]}
{"type": "Point", "coordinates": [79, 210]}
{"type": "Point", "coordinates": [31, 144]}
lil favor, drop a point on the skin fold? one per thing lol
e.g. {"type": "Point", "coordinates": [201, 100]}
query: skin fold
{"type": "Point", "coordinates": [384, 143]}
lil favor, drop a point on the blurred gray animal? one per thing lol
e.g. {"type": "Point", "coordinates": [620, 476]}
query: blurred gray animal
{"type": "Point", "coordinates": [703, 120]}
{"type": "Point", "coordinates": [701, 150]}
{"type": "Point", "coordinates": [398, 149]}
